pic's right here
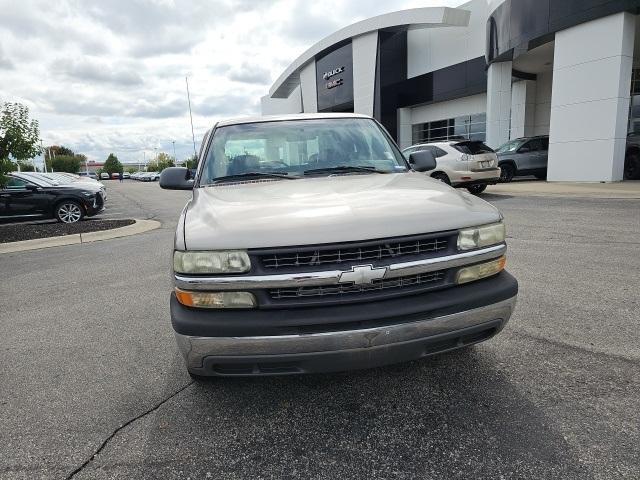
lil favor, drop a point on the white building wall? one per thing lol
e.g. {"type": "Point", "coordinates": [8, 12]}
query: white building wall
{"type": "Point", "coordinates": [431, 49]}
{"type": "Point", "coordinates": [404, 128]}
{"type": "Point", "coordinates": [449, 109]}
{"type": "Point", "coordinates": [498, 103]}
{"type": "Point", "coordinates": [542, 113]}
{"type": "Point", "coordinates": [365, 52]}
{"type": "Point", "coordinates": [309, 88]}
{"type": "Point", "coordinates": [523, 104]}
{"type": "Point", "coordinates": [280, 106]}
{"type": "Point", "coordinates": [590, 100]}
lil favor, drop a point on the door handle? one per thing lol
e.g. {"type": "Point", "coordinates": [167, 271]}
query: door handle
{"type": "Point", "coordinates": [4, 195]}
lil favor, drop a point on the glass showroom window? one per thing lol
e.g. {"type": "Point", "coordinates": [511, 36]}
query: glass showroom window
{"type": "Point", "coordinates": [471, 127]}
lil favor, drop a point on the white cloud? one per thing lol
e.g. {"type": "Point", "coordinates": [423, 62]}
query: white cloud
{"type": "Point", "coordinates": [105, 76]}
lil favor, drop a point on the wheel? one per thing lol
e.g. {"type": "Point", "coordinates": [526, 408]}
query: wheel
{"type": "Point", "coordinates": [632, 166]}
{"type": "Point", "coordinates": [477, 189]}
{"type": "Point", "coordinates": [69, 211]}
{"type": "Point", "coordinates": [507, 171]}
{"type": "Point", "coordinates": [541, 176]}
{"type": "Point", "coordinates": [442, 177]}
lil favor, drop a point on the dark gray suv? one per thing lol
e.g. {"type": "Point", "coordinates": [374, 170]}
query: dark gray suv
{"type": "Point", "coordinates": [523, 156]}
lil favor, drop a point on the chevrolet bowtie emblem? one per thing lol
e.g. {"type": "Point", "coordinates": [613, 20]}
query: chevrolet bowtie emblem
{"type": "Point", "coordinates": [362, 274]}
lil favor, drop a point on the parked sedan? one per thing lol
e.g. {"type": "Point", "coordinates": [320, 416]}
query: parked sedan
{"type": "Point", "coordinates": [27, 197]}
{"type": "Point", "coordinates": [63, 178]}
{"type": "Point", "coordinates": [466, 164]}
{"type": "Point", "coordinates": [523, 156]}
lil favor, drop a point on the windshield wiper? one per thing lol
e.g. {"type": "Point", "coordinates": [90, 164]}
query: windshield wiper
{"type": "Point", "coordinates": [248, 175]}
{"type": "Point", "coordinates": [345, 169]}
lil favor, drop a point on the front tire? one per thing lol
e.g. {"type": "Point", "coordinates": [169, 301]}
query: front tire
{"type": "Point", "coordinates": [477, 189]}
{"type": "Point", "coordinates": [442, 177]}
{"type": "Point", "coordinates": [507, 172]}
{"type": "Point", "coordinates": [69, 211]}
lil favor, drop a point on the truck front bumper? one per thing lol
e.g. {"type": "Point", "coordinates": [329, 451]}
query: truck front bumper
{"type": "Point", "coordinates": [438, 329]}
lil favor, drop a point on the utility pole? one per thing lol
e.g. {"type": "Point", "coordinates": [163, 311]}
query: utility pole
{"type": "Point", "coordinates": [193, 136]}
{"type": "Point", "coordinates": [175, 159]}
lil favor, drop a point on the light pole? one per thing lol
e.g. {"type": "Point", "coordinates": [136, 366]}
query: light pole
{"type": "Point", "coordinates": [44, 163]}
{"type": "Point", "coordinates": [175, 159]}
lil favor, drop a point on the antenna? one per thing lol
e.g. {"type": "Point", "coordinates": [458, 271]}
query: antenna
{"type": "Point", "coordinates": [193, 137]}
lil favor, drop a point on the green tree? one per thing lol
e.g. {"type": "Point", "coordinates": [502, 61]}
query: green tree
{"type": "Point", "coordinates": [65, 163]}
{"type": "Point", "coordinates": [112, 165]}
{"type": "Point", "coordinates": [191, 162]}
{"type": "Point", "coordinates": [162, 161]}
{"type": "Point", "coordinates": [19, 137]}
{"type": "Point", "coordinates": [55, 150]}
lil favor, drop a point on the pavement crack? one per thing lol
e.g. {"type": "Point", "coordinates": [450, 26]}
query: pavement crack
{"type": "Point", "coordinates": [124, 425]}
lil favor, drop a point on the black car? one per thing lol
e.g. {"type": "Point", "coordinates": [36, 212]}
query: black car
{"type": "Point", "coordinates": [31, 197]}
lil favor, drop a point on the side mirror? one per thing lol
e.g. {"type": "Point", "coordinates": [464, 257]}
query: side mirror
{"type": "Point", "coordinates": [175, 178]}
{"type": "Point", "coordinates": [422, 161]}
{"type": "Point", "coordinates": [31, 188]}
{"type": "Point", "coordinates": [524, 149]}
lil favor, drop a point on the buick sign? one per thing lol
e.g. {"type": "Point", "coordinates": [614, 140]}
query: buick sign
{"type": "Point", "coordinates": [331, 73]}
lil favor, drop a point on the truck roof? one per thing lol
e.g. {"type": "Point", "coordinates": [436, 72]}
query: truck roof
{"type": "Point", "coordinates": [295, 116]}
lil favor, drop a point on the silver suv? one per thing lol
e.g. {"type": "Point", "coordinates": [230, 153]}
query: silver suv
{"type": "Point", "coordinates": [524, 156]}
{"type": "Point", "coordinates": [311, 245]}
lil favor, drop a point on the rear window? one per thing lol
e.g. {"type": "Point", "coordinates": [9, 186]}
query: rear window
{"type": "Point", "coordinates": [472, 148]}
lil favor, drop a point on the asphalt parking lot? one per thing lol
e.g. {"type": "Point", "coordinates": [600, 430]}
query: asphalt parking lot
{"type": "Point", "coordinates": [92, 385]}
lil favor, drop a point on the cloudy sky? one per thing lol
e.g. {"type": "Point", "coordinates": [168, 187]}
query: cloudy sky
{"type": "Point", "coordinates": [109, 75]}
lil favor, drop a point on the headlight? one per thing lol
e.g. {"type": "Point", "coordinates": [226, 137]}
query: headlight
{"type": "Point", "coordinates": [482, 270]}
{"type": "Point", "coordinates": [216, 299]}
{"type": "Point", "coordinates": [479, 237]}
{"type": "Point", "coordinates": [224, 261]}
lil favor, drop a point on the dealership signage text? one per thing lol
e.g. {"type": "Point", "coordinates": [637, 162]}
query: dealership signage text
{"type": "Point", "coordinates": [331, 73]}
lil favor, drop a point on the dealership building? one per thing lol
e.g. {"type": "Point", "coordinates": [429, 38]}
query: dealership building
{"type": "Point", "coordinates": [487, 70]}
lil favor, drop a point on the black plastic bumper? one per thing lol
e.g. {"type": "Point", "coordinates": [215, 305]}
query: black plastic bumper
{"type": "Point", "coordinates": [297, 321]}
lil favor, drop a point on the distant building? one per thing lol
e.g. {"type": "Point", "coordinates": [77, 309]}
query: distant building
{"type": "Point", "coordinates": [488, 70]}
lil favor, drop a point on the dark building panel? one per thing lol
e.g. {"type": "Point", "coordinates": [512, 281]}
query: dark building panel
{"type": "Point", "coordinates": [334, 80]}
{"type": "Point", "coordinates": [460, 80]}
{"type": "Point", "coordinates": [517, 26]}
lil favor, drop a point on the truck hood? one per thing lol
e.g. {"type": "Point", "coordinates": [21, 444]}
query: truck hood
{"type": "Point", "coordinates": [332, 209]}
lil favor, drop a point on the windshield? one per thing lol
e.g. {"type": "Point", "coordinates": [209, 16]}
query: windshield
{"type": "Point", "coordinates": [294, 148]}
{"type": "Point", "coordinates": [511, 146]}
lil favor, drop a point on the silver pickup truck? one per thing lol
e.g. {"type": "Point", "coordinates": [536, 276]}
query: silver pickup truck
{"type": "Point", "coordinates": [311, 244]}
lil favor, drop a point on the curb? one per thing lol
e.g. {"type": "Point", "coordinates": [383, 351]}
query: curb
{"type": "Point", "coordinates": [140, 226]}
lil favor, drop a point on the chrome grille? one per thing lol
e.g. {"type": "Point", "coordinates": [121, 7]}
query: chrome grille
{"type": "Point", "coordinates": [347, 254]}
{"type": "Point", "coordinates": [346, 289]}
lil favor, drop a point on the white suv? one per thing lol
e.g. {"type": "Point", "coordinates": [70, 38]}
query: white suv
{"type": "Point", "coordinates": [468, 164]}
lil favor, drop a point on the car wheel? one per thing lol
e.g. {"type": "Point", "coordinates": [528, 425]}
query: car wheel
{"type": "Point", "coordinates": [442, 177]}
{"type": "Point", "coordinates": [507, 172]}
{"type": "Point", "coordinates": [69, 211]}
{"type": "Point", "coordinates": [632, 166]}
{"type": "Point", "coordinates": [541, 176]}
{"type": "Point", "coordinates": [477, 189]}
